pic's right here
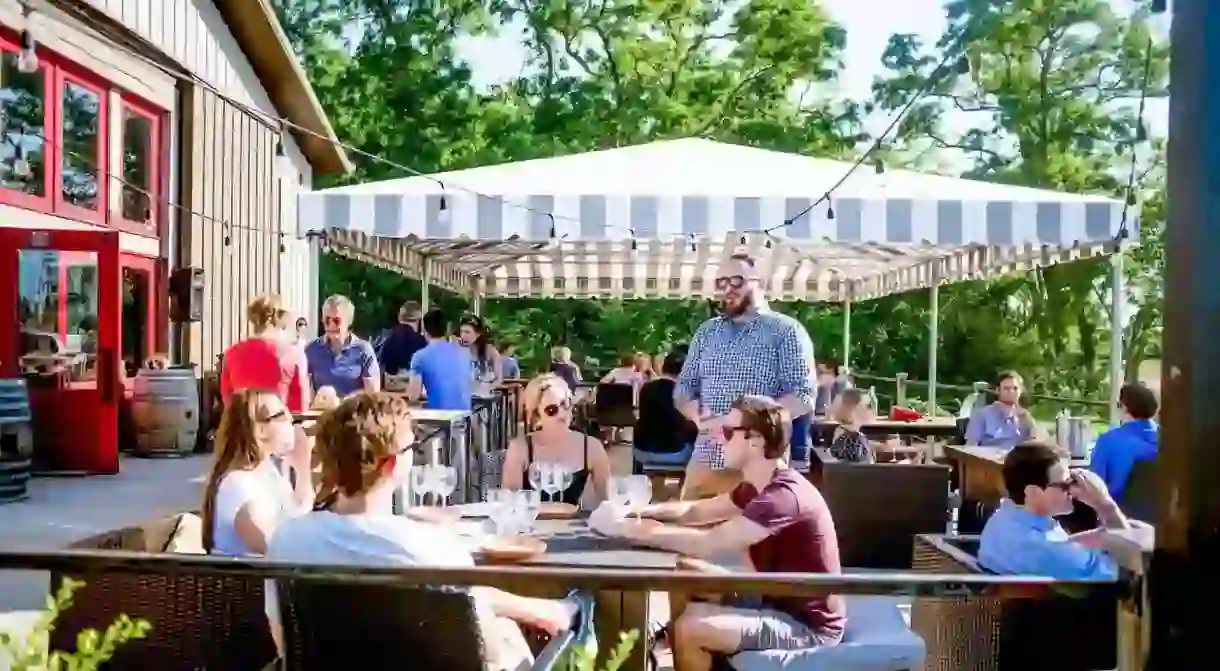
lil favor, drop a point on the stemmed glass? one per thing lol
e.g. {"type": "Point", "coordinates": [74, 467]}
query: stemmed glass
{"type": "Point", "coordinates": [529, 504]}
{"type": "Point", "coordinates": [639, 493]}
{"type": "Point", "coordinates": [500, 510]}
{"type": "Point", "coordinates": [617, 492]}
{"type": "Point", "coordinates": [444, 480]}
{"type": "Point", "coordinates": [561, 478]}
{"type": "Point", "coordinates": [419, 484]}
{"type": "Point", "coordinates": [539, 475]}
{"type": "Point", "coordinates": [553, 480]}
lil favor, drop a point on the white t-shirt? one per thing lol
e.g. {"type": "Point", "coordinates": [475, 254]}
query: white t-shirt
{"type": "Point", "coordinates": [267, 493]}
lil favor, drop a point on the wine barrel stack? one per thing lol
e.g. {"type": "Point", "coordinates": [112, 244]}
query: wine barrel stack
{"type": "Point", "coordinates": [16, 441]}
{"type": "Point", "coordinates": [165, 412]}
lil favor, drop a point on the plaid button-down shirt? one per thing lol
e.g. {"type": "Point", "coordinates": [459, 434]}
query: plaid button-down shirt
{"type": "Point", "coordinates": [768, 354]}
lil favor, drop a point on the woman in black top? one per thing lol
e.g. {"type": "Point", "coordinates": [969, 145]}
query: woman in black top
{"type": "Point", "coordinates": [851, 410]}
{"type": "Point", "coordinates": [549, 439]}
{"type": "Point", "coordinates": [662, 434]}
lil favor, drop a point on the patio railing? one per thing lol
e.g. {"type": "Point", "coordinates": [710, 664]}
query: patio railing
{"type": "Point", "coordinates": [897, 390]}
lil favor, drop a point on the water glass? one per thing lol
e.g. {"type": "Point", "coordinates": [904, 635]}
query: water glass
{"type": "Point", "coordinates": [530, 503]}
{"type": "Point", "coordinates": [445, 478]}
{"type": "Point", "coordinates": [419, 484]}
{"type": "Point", "coordinates": [617, 491]}
{"type": "Point", "coordinates": [639, 492]}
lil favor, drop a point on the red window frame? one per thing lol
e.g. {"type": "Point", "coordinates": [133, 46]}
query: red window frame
{"type": "Point", "coordinates": [57, 72]}
{"type": "Point", "coordinates": [50, 149]}
{"type": "Point", "coordinates": [64, 75]}
{"type": "Point", "coordinates": [156, 211]}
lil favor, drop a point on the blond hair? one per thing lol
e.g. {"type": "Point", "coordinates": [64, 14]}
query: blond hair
{"type": "Point", "coordinates": [266, 311]}
{"type": "Point", "coordinates": [236, 448]}
{"type": "Point", "coordinates": [561, 354]}
{"type": "Point", "coordinates": [531, 397]}
{"type": "Point", "coordinates": [353, 442]}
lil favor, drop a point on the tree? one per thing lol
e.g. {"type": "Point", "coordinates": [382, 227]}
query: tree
{"type": "Point", "coordinates": [1051, 90]}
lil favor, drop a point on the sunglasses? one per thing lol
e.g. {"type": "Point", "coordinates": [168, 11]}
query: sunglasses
{"type": "Point", "coordinates": [735, 281]}
{"type": "Point", "coordinates": [1063, 485]}
{"type": "Point", "coordinates": [281, 416]}
{"type": "Point", "coordinates": [554, 408]}
{"type": "Point", "coordinates": [337, 321]}
{"type": "Point", "coordinates": [729, 431]}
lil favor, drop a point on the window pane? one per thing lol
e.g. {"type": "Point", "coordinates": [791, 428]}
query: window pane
{"type": "Point", "coordinates": [22, 124]}
{"type": "Point", "coordinates": [58, 312]}
{"type": "Point", "coordinates": [137, 178]}
{"type": "Point", "coordinates": [82, 111]}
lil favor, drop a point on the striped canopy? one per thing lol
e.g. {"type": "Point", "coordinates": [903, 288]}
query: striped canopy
{"type": "Point", "coordinates": [654, 220]}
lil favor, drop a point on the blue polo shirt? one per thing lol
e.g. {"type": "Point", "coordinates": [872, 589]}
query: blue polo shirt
{"type": "Point", "coordinates": [444, 369]}
{"type": "Point", "coordinates": [1117, 450]}
{"type": "Point", "coordinates": [345, 369]}
{"type": "Point", "coordinates": [1017, 542]}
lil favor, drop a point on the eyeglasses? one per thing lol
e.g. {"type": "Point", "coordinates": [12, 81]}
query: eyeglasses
{"type": "Point", "coordinates": [1062, 485]}
{"type": "Point", "coordinates": [275, 417]}
{"type": "Point", "coordinates": [554, 408]}
{"type": "Point", "coordinates": [734, 281]}
{"type": "Point", "coordinates": [730, 431]}
{"type": "Point", "coordinates": [337, 321]}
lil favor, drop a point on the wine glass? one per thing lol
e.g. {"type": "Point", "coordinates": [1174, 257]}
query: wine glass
{"type": "Point", "coordinates": [553, 481]}
{"type": "Point", "coordinates": [419, 484]}
{"type": "Point", "coordinates": [563, 477]}
{"type": "Point", "coordinates": [500, 511]}
{"type": "Point", "coordinates": [616, 491]}
{"type": "Point", "coordinates": [539, 473]}
{"type": "Point", "coordinates": [445, 480]}
{"type": "Point", "coordinates": [639, 493]}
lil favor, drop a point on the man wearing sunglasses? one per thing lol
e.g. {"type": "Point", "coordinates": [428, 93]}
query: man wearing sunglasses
{"type": "Point", "coordinates": [746, 350]}
{"type": "Point", "coordinates": [340, 359]}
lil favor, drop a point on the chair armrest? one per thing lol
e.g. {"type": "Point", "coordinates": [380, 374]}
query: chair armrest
{"type": "Point", "coordinates": [582, 634]}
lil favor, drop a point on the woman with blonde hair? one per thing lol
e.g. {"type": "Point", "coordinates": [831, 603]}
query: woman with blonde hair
{"type": "Point", "coordinates": [549, 438]}
{"type": "Point", "coordinates": [561, 365]}
{"type": "Point", "coordinates": [246, 495]}
{"type": "Point", "coordinates": [363, 447]}
{"type": "Point", "coordinates": [267, 359]}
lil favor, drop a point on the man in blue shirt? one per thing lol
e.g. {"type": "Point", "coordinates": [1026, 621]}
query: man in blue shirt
{"type": "Point", "coordinates": [1135, 439]}
{"type": "Point", "coordinates": [1023, 538]}
{"type": "Point", "coordinates": [442, 368]}
{"type": "Point", "coordinates": [1003, 423]}
{"type": "Point", "coordinates": [340, 359]}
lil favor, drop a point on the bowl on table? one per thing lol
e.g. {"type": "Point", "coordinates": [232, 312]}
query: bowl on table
{"type": "Point", "coordinates": [557, 511]}
{"type": "Point", "coordinates": [434, 515]}
{"type": "Point", "coordinates": [511, 548]}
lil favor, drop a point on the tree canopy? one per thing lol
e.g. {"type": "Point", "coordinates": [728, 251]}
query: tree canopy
{"type": "Point", "coordinates": [1048, 95]}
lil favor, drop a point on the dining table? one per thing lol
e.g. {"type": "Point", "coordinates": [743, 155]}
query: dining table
{"type": "Point", "coordinates": [570, 543]}
{"type": "Point", "coordinates": [1132, 549]}
{"type": "Point", "coordinates": [980, 471]}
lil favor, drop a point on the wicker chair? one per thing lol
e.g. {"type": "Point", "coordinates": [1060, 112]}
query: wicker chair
{"type": "Point", "coordinates": [879, 508]}
{"type": "Point", "coordinates": [329, 626]}
{"type": "Point", "coordinates": [1047, 632]}
{"type": "Point", "coordinates": [614, 405]}
{"type": "Point", "coordinates": [198, 621]}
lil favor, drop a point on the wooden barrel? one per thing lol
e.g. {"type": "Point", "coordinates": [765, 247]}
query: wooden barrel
{"type": "Point", "coordinates": [165, 412]}
{"type": "Point", "coordinates": [16, 440]}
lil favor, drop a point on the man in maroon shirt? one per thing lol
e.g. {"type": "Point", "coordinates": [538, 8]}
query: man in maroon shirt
{"type": "Point", "coordinates": [775, 515]}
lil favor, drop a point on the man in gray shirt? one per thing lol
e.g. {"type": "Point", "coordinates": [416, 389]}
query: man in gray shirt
{"type": "Point", "coordinates": [1003, 423]}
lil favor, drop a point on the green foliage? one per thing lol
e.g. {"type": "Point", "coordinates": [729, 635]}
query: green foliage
{"type": "Point", "coordinates": [93, 649]}
{"type": "Point", "coordinates": [1049, 92]}
{"type": "Point", "coordinates": [585, 659]}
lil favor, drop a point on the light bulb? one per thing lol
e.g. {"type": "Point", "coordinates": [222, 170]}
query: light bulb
{"type": "Point", "coordinates": [27, 62]}
{"type": "Point", "coordinates": [442, 215]}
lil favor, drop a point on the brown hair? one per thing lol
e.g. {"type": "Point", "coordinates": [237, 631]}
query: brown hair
{"type": "Point", "coordinates": [626, 359]}
{"type": "Point", "coordinates": [236, 447]}
{"type": "Point", "coordinates": [266, 311]}
{"type": "Point", "coordinates": [532, 397]}
{"type": "Point", "coordinates": [1028, 463]}
{"type": "Point", "coordinates": [354, 441]}
{"type": "Point", "coordinates": [849, 399]}
{"type": "Point", "coordinates": [768, 419]}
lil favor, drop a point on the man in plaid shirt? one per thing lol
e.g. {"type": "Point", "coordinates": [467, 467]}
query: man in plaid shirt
{"type": "Point", "coordinates": [747, 350]}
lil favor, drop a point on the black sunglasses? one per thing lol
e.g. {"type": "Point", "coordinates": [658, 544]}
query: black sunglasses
{"type": "Point", "coordinates": [554, 408]}
{"type": "Point", "coordinates": [735, 281]}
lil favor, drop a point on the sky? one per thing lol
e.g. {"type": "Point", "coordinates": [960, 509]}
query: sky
{"type": "Point", "coordinates": [500, 59]}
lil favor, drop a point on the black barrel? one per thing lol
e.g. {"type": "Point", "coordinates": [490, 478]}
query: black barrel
{"type": "Point", "coordinates": [16, 440]}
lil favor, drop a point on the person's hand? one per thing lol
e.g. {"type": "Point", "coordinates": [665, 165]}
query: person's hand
{"type": "Point", "coordinates": [607, 519]}
{"type": "Point", "coordinates": [552, 616]}
{"type": "Point", "coordinates": [1088, 488]}
{"type": "Point", "coordinates": [670, 511]}
{"type": "Point", "coordinates": [300, 456]}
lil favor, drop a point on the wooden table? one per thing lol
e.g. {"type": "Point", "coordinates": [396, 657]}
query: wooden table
{"type": "Point", "coordinates": [1133, 623]}
{"type": "Point", "coordinates": [937, 427]}
{"type": "Point", "coordinates": [570, 543]}
{"type": "Point", "coordinates": [981, 471]}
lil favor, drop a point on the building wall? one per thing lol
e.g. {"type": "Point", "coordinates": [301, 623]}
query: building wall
{"type": "Point", "coordinates": [232, 175]}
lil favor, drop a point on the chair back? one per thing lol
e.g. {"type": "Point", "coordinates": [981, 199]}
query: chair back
{"type": "Point", "coordinates": [329, 626]}
{"type": "Point", "coordinates": [1139, 494]}
{"type": "Point", "coordinates": [877, 530]}
{"type": "Point", "coordinates": [614, 405]}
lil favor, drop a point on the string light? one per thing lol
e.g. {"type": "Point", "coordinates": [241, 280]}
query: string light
{"type": "Point", "coordinates": [27, 60]}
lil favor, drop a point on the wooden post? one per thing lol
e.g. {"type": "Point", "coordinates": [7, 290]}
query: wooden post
{"type": "Point", "coordinates": [1183, 577]}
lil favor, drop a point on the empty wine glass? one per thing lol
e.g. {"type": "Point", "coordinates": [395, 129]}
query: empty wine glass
{"type": "Point", "coordinates": [553, 481]}
{"type": "Point", "coordinates": [419, 484]}
{"type": "Point", "coordinates": [529, 504]}
{"type": "Point", "coordinates": [562, 477]}
{"type": "Point", "coordinates": [445, 481]}
{"type": "Point", "coordinates": [617, 492]}
{"type": "Point", "coordinates": [539, 473]}
{"type": "Point", "coordinates": [500, 511]}
{"type": "Point", "coordinates": [639, 493]}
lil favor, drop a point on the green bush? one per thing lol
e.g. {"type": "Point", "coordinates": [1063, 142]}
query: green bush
{"type": "Point", "coordinates": [92, 649]}
{"type": "Point", "coordinates": [585, 658]}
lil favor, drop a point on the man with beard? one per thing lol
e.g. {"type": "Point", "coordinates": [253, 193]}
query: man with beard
{"type": "Point", "coordinates": [746, 350]}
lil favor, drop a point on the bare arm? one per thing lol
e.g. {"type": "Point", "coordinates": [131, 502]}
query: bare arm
{"type": "Point", "coordinates": [599, 465]}
{"type": "Point", "coordinates": [688, 512]}
{"type": "Point", "coordinates": [254, 528]}
{"type": "Point", "coordinates": [735, 535]}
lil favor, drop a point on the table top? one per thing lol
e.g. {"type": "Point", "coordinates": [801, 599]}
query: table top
{"type": "Point", "coordinates": [422, 415]}
{"type": "Point", "coordinates": [571, 543]}
{"type": "Point", "coordinates": [938, 423]}
{"type": "Point", "coordinates": [994, 455]}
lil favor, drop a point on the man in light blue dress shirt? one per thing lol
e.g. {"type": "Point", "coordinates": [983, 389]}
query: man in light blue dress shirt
{"type": "Point", "coordinates": [1003, 423]}
{"type": "Point", "coordinates": [1023, 538]}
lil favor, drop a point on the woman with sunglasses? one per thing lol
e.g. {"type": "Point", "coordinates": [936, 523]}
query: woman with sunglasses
{"type": "Point", "coordinates": [247, 494]}
{"type": "Point", "coordinates": [549, 438]}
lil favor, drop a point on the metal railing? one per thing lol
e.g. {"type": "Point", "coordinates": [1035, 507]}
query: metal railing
{"type": "Point", "coordinates": [902, 384]}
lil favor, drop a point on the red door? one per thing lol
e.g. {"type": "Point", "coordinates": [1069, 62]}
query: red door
{"type": "Point", "coordinates": [60, 301]}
